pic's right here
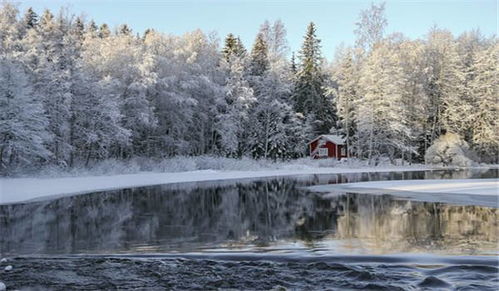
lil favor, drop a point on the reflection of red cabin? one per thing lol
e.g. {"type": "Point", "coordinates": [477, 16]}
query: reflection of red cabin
{"type": "Point", "coordinates": [327, 146]}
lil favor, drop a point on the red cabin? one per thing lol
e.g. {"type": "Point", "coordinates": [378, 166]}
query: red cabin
{"type": "Point", "coordinates": [327, 146]}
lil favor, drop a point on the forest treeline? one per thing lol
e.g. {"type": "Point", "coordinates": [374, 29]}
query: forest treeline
{"type": "Point", "coordinates": [73, 92]}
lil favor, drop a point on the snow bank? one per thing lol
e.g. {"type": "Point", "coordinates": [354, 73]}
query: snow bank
{"type": "Point", "coordinates": [461, 186]}
{"type": "Point", "coordinates": [483, 192]}
{"type": "Point", "coordinates": [186, 163]}
{"type": "Point", "coordinates": [14, 190]}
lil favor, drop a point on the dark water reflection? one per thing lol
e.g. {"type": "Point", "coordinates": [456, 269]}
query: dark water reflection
{"type": "Point", "coordinates": [272, 215]}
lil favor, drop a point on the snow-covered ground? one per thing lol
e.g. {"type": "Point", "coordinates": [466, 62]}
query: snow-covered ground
{"type": "Point", "coordinates": [14, 190]}
{"type": "Point", "coordinates": [483, 192]}
{"type": "Point", "coordinates": [464, 186]}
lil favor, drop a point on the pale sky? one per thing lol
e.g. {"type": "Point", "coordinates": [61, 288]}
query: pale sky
{"type": "Point", "coordinates": [335, 19]}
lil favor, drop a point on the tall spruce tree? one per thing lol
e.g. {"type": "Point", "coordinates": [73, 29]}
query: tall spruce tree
{"type": "Point", "coordinates": [104, 31]}
{"type": "Point", "coordinates": [233, 47]}
{"type": "Point", "coordinates": [30, 19]}
{"type": "Point", "coordinates": [309, 93]}
{"type": "Point", "coordinates": [259, 61]}
{"type": "Point", "coordinates": [293, 67]}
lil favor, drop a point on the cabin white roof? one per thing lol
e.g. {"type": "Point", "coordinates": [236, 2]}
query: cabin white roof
{"type": "Point", "coordinates": [336, 139]}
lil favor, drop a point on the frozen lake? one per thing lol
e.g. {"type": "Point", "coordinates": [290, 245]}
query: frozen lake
{"type": "Point", "coordinates": [275, 231]}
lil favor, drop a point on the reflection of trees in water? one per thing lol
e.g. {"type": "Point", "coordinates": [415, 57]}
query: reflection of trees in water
{"type": "Point", "coordinates": [385, 224]}
{"type": "Point", "coordinates": [462, 173]}
{"type": "Point", "coordinates": [121, 220]}
{"type": "Point", "coordinates": [64, 225]}
{"type": "Point", "coordinates": [184, 216]}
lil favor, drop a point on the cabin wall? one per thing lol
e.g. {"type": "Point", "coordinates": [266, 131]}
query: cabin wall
{"type": "Point", "coordinates": [331, 149]}
{"type": "Point", "coordinates": [332, 153]}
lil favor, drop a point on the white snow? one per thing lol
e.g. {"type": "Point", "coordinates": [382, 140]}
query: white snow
{"type": "Point", "coordinates": [480, 192]}
{"type": "Point", "coordinates": [8, 268]}
{"type": "Point", "coordinates": [13, 190]}
{"type": "Point", "coordinates": [461, 186]}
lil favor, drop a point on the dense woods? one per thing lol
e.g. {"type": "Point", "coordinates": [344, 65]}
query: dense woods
{"type": "Point", "coordinates": [73, 92]}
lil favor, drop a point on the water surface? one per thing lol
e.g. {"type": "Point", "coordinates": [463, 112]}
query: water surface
{"type": "Point", "coordinates": [226, 227]}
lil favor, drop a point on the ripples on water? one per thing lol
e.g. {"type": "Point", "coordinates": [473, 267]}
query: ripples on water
{"type": "Point", "coordinates": [204, 274]}
{"type": "Point", "coordinates": [275, 218]}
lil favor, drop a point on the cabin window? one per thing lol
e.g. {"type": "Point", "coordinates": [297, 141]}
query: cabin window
{"type": "Point", "coordinates": [323, 152]}
{"type": "Point", "coordinates": [343, 151]}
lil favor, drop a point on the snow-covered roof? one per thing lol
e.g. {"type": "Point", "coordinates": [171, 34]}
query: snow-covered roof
{"type": "Point", "coordinates": [336, 139]}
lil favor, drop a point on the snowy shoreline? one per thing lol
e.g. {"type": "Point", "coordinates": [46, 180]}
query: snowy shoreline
{"type": "Point", "coordinates": [483, 192]}
{"type": "Point", "coordinates": [454, 186]}
{"type": "Point", "coordinates": [14, 190]}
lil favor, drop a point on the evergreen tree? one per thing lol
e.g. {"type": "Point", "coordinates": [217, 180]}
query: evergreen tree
{"type": "Point", "coordinates": [233, 47]}
{"type": "Point", "coordinates": [78, 28]}
{"type": "Point", "coordinates": [30, 19]}
{"type": "Point", "coordinates": [309, 93]}
{"type": "Point", "coordinates": [259, 61]}
{"type": "Point", "coordinates": [104, 31]}
{"type": "Point", "coordinates": [124, 30]}
{"type": "Point", "coordinates": [92, 27]}
{"type": "Point", "coordinates": [293, 67]}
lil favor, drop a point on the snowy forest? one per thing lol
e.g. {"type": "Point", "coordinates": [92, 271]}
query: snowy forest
{"type": "Point", "coordinates": [74, 92]}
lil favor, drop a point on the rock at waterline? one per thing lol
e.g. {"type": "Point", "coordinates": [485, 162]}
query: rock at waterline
{"type": "Point", "coordinates": [8, 268]}
{"type": "Point", "coordinates": [2, 286]}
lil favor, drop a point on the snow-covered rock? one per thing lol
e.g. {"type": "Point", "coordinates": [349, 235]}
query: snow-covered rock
{"type": "Point", "coordinates": [3, 260]}
{"type": "Point", "coordinates": [8, 268]}
{"type": "Point", "coordinates": [449, 150]}
{"type": "Point", "coordinates": [2, 286]}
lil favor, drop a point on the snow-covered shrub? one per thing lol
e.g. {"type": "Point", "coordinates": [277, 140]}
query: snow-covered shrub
{"type": "Point", "coordinates": [189, 163]}
{"type": "Point", "coordinates": [449, 150]}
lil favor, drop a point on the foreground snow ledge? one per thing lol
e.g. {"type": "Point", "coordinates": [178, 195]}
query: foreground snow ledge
{"type": "Point", "coordinates": [483, 192]}
{"type": "Point", "coordinates": [14, 190]}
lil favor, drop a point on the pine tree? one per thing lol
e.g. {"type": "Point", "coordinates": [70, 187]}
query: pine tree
{"type": "Point", "coordinates": [124, 30]}
{"type": "Point", "coordinates": [259, 61]}
{"type": "Point", "coordinates": [30, 19]}
{"type": "Point", "coordinates": [233, 47]}
{"type": "Point", "coordinates": [92, 28]}
{"type": "Point", "coordinates": [309, 94]}
{"type": "Point", "coordinates": [78, 27]}
{"type": "Point", "coordinates": [293, 67]}
{"type": "Point", "coordinates": [104, 31]}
